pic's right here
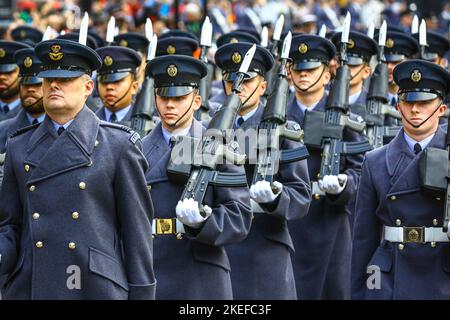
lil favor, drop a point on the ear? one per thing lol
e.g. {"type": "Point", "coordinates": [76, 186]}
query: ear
{"type": "Point", "coordinates": [134, 87]}
{"type": "Point", "coordinates": [326, 77]}
{"type": "Point", "coordinates": [89, 87]}
{"type": "Point", "coordinates": [442, 110]}
{"type": "Point", "coordinates": [196, 104]}
{"type": "Point", "coordinates": [366, 72]}
{"type": "Point", "coordinates": [262, 88]}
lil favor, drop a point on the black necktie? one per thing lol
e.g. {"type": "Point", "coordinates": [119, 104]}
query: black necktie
{"type": "Point", "coordinates": [417, 148]}
{"type": "Point", "coordinates": [60, 130]}
{"type": "Point", "coordinates": [240, 121]}
{"type": "Point", "coordinates": [5, 108]}
{"type": "Point", "coordinates": [113, 117]}
{"type": "Point", "coordinates": [35, 121]}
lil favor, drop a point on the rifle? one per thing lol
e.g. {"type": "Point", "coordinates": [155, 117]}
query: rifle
{"type": "Point", "coordinates": [378, 107]}
{"type": "Point", "coordinates": [335, 119]}
{"type": "Point", "coordinates": [144, 107]}
{"type": "Point", "coordinates": [272, 74]}
{"type": "Point", "coordinates": [213, 148]}
{"type": "Point", "coordinates": [275, 127]}
{"type": "Point", "coordinates": [205, 83]}
{"type": "Point", "coordinates": [434, 175]}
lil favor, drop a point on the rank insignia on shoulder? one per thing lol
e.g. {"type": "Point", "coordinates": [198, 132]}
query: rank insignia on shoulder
{"type": "Point", "coordinates": [135, 137]}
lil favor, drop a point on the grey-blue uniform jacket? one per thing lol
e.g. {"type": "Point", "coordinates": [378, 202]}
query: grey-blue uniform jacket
{"type": "Point", "coordinates": [197, 266]}
{"type": "Point", "coordinates": [11, 114]}
{"type": "Point", "coordinates": [389, 190]}
{"type": "Point", "coordinates": [75, 214]}
{"type": "Point", "coordinates": [322, 239]}
{"type": "Point", "coordinates": [101, 114]}
{"type": "Point", "coordinates": [261, 264]}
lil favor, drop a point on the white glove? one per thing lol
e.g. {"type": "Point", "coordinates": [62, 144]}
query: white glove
{"type": "Point", "coordinates": [261, 191]}
{"type": "Point", "coordinates": [188, 213]}
{"type": "Point", "coordinates": [333, 184]}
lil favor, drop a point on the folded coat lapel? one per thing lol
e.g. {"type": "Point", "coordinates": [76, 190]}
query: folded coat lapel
{"type": "Point", "coordinates": [52, 154]}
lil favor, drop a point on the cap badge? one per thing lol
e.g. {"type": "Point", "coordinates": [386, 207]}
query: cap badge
{"type": "Point", "coordinates": [389, 43]}
{"type": "Point", "coordinates": [108, 60]}
{"type": "Point", "coordinates": [27, 62]}
{"type": "Point", "coordinates": [234, 40]}
{"type": "Point", "coordinates": [351, 44]}
{"type": "Point", "coordinates": [416, 76]}
{"type": "Point", "coordinates": [171, 49]}
{"type": "Point", "coordinates": [56, 54]}
{"type": "Point", "coordinates": [303, 48]}
{"type": "Point", "coordinates": [2, 52]}
{"type": "Point", "coordinates": [123, 43]}
{"type": "Point", "coordinates": [23, 34]}
{"type": "Point", "coordinates": [236, 57]}
{"type": "Point", "coordinates": [172, 70]}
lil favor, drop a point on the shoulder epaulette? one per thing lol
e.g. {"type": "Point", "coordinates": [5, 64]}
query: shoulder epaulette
{"type": "Point", "coordinates": [23, 130]}
{"type": "Point", "coordinates": [135, 137]}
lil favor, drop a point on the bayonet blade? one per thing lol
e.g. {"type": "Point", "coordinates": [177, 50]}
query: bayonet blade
{"type": "Point", "coordinates": [247, 59]}
{"type": "Point", "coordinates": [371, 30]}
{"type": "Point", "coordinates": [423, 33]}
{"type": "Point", "coordinates": [149, 29]}
{"type": "Point", "coordinates": [84, 29]}
{"type": "Point", "coordinates": [278, 28]}
{"type": "Point", "coordinates": [152, 47]}
{"type": "Point", "coordinates": [206, 36]}
{"type": "Point", "coordinates": [382, 35]}
{"type": "Point", "coordinates": [265, 37]}
{"type": "Point", "coordinates": [415, 25]}
{"type": "Point", "coordinates": [286, 46]}
{"type": "Point", "coordinates": [110, 30]}
{"type": "Point", "coordinates": [47, 34]}
{"type": "Point", "coordinates": [346, 28]}
{"type": "Point", "coordinates": [323, 31]}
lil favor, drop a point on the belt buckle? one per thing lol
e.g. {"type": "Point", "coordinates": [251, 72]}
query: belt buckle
{"type": "Point", "coordinates": [414, 234]}
{"type": "Point", "coordinates": [165, 226]}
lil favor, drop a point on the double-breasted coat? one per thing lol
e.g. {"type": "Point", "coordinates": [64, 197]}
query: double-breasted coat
{"type": "Point", "coordinates": [75, 213]}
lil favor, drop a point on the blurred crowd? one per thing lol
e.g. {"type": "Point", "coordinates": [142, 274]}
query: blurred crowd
{"type": "Point", "coordinates": [300, 15]}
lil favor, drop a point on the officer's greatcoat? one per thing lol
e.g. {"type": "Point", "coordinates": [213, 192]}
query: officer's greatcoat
{"type": "Point", "coordinates": [75, 214]}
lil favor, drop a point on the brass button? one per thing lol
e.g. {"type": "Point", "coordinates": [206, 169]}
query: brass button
{"type": "Point", "coordinates": [36, 216]}
{"type": "Point", "coordinates": [398, 222]}
{"type": "Point", "coordinates": [27, 168]}
{"type": "Point", "coordinates": [438, 199]}
{"type": "Point", "coordinates": [149, 187]}
{"type": "Point", "coordinates": [393, 198]}
{"type": "Point", "coordinates": [75, 215]}
{"type": "Point", "coordinates": [32, 188]}
{"type": "Point", "coordinates": [317, 196]}
{"type": "Point", "coordinates": [82, 185]}
{"type": "Point", "coordinates": [435, 222]}
{"type": "Point", "coordinates": [39, 244]}
{"type": "Point", "coordinates": [90, 163]}
{"type": "Point", "coordinates": [401, 246]}
{"type": "Point", "coordinates": [72, 245]}
{"type": "Point", "coordinates": [433, 244]}
{"type": "Point", "coordinates": [96, 143]}
{"type": "Point", "coordinates": [318, 175]}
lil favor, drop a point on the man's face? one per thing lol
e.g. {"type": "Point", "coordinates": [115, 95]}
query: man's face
{"type": "Point", "coordinates": [305, 79]}
{"type": "Point", "coordinates": [359, 73]}
{"type": "Point", "coordinates": [9, 84]}
{"type": "Point", "coordinates": [31, 98]}
{"type": "Point", "coordinates": [61, 95]}
{"type": "Point", "coordinates": [178, 112]}
{"type": "Point", "coordinates": [118, 95]}
{"type": "Point", "coordinates": [417, 112]}
{"type": "Point", "coordinates": [251, 91]}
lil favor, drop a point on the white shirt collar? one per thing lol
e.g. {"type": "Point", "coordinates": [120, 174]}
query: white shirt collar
{"type": "Point", "coordinates": [39, 119]}
{"type": "Point", "coordinates": [304, 108]}
{"type": "Point", "coordinates": [11, 105]}
{"type": "Point", "coordinates": [57, 125]}
{"type": "Point", "coordinates": [167, 135]}
{"type": "Point", "coordinates": [246, 116]}
{"type": "Point", "coordinates": [411, 142]}
{"type": "Point", "coordinates": [354, 97]}
{"type": "Point", "coordinates": [119, 114]}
